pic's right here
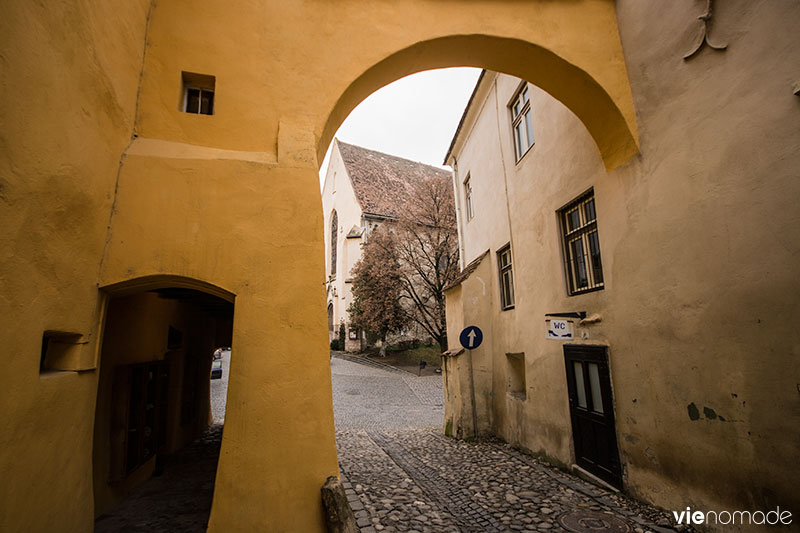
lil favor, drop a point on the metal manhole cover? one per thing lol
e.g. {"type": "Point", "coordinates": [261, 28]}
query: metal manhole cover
{"type": "Point", "coordinates": [590, 521]}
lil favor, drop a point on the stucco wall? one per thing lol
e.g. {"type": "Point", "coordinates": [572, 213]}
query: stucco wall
{"type": "Point", "coordinates": [69, 73]}
{"type": "Point", "coordinates": [699, 256]}
{"type": "Point", "coordinates": [231, 200]}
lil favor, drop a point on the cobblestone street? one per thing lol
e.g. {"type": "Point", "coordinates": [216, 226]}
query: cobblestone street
{"type": "Point", "coordinates": [401, 475]}
{"type": "Point", "coordinates": [399, 472]}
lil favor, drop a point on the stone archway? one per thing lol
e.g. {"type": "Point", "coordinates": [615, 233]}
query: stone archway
{"type": "Point", "coordinates": [606, 112]}
{"type": "Point", "coordinates": [137, 186]}
{"type": "Point", "coordinates": [154, 392]}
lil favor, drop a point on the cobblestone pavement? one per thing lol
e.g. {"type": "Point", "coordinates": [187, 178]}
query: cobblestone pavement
{"type": "Point", "coordinates": [178, 501]}
{"type": "Point", "coordinates": [377, 398]}
{"type": "Point", "coordinates": [219, 390]}
{"type": "Point", "coordinates": [400, 474]}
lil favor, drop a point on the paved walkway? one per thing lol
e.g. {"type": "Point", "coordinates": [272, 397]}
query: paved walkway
{"type": "Point", "coordinates": [178, 501]}
{"type": "Point", "coordinates": [402, 475]}
{"type": "Point", "coordinates": [399, 473]}
{"type": "Point", "coordinates": [367, 397]}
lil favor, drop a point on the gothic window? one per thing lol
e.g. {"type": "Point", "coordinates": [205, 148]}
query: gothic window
{"type": "Point", "coordinates": [334, 237]}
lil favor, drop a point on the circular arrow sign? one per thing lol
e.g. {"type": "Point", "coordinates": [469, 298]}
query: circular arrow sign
{"type": "Point", "coordinates": [471, 337]}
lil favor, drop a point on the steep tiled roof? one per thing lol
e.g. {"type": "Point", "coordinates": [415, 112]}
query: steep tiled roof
{"type": "Point", "coordinates": [464, 274]}
{"type": "Point", "coordinates": [383, 182]}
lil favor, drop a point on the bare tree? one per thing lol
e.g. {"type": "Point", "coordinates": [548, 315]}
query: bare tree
{"type": "Point", "coordinates": [406, 264]}
{"type": "Point", "coordinates": [426, 241]}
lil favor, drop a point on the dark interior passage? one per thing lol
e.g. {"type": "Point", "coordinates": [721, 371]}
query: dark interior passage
{"type": "Point", "coordinates": [177, 500]}
{"type": "Point", "coordinates": [156, 444]}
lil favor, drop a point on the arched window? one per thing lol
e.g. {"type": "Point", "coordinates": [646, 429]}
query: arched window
{"type": "Point", "coordinates": [330, 317]}
{"type": "Point", "coordinates": [334, 236]}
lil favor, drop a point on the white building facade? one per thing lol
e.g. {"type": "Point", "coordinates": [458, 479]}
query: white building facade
{"type": "Point", "coordinates": [362, 189]}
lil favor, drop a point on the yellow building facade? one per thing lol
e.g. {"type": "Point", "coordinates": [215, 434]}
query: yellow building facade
{"type": "Point", "coordinates": [110, 189]}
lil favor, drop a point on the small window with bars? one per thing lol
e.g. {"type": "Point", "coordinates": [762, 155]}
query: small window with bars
{"type": "Point", "coordinates": [506, 277]}
{"type": "Point", "coordinates": [582, 245]}
{"type": "Point", "coordinates": [198, 93]}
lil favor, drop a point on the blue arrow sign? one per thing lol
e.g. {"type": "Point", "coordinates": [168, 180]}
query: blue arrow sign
{"type": "Point", "coordinates": [471, 337]}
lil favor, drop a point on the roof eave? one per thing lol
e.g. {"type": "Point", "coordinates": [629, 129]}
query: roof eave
{"type": "Point", "coordinates": [464, 116]}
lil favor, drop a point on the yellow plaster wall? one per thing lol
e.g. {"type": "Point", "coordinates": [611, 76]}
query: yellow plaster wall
{"type": "Point", "coordinates": [230, 199]}
{"type": "Point", "coordinates": [205, 220]}
{"type": "Point", "coordinates": [263, 98]}
{"type": "Point", "coordinates": [68, 82]}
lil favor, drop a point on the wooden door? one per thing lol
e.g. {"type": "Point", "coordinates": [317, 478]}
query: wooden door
{"type": "Point", "coordinates": [591, 408]}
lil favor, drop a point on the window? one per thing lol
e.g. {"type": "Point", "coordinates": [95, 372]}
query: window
{"type": "Point", "coordinates": [506, 278]}
{"type": "Point", "coordinates": [581, 245]}
{"type": "Point", "coordinates": [468, 198]}
{"type": "Point", "coordinates": [330, 317]}
{"type": "Point", "coordinates": [334, 238]}
{"type": "Point", "coordinates": [198, 93]}
{"type": "Point", "coordinates": [522, 122]}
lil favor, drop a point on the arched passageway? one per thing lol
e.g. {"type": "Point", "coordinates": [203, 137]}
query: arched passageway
{"type": "Point", "coordinates": [606, 111]}
{"type": "Point", "coordinates": [231, 197]}
{"type": "Point", "coordinates": [160, 406]}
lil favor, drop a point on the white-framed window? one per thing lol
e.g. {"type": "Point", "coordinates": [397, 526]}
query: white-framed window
{"type": "Point", "coordinates": [581, 245]}
{"type": "Point", "coordinates": [522, 121]}
{"type": "Point", "coordinates": [468, 198]}
{"type": "Point", "coordinates": [198, 93]}
{"type": "Point", "coordinates": [506, 277]}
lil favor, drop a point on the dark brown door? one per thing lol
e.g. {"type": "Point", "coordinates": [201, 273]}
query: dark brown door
{"type": "Point", "coordinates": [591, 408]}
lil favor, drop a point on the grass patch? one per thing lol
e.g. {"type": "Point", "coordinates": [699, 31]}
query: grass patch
{"type": "Point", "coordinates": [409, 359]}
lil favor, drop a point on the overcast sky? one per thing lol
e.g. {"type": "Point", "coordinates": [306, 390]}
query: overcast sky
{"type": "Point", "coordinates": [414, 117]}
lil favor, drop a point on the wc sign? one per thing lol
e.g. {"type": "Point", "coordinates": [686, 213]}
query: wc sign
{"type": "Point", "coordinates": [559, 330]}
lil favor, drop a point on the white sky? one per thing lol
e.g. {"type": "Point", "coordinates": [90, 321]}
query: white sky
{"type": "Point", "coordinates": [414, 117]}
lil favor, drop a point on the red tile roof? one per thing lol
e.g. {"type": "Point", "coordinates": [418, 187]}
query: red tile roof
{"type": "Point", "coordinates": [383, 182]}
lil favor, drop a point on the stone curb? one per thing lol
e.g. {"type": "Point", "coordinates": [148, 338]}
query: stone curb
{"type": "Point", "coordinates": [369, 362]}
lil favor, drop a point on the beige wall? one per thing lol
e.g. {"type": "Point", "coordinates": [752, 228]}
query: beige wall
{"type": "Point", "coordinates": [699, 293]}
{"type": "Point", "coordinates": [229, 200]}
{"type": "Point", "coordinates": [470, 304]}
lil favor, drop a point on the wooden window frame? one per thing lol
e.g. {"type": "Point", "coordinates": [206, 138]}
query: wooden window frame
{"type": "Point", "coordinates": [506, 273]}
{"type": "Point", "coordinates": [204, 85]}
{"type": "Point", "coordinates": [586, 235]}
{"type": "Point", "coordinates": [520, 108]}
